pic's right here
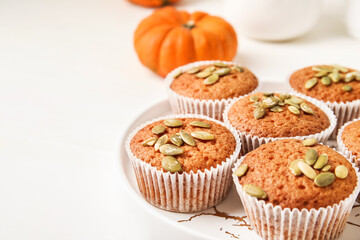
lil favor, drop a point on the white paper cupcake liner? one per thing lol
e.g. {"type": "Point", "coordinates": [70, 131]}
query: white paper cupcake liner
{"type": "Point", "coordinates": [344, 111]}
{"type": "Point", "coordinates": [186, 105]}
{"type": "Point", "coordinates": [250, 142]}
{"type": "Point", "coordinates": [183, 192]}
{"type": "Point", "coordinates": [274, 222]}
{"type": "Point", "coordinates": [343, 149]}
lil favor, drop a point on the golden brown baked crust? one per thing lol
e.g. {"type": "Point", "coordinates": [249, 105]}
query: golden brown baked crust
{"type": "Point", "coordinates": [276, 124]}
{"type": "Point", "coordinates": [232, 85]}
{"type": "Point", "coordinates": [331, 93]}
{"type": "Point", "coordinates": [351, 138]}
{"type": "Point", "coordinates": [204, 155]}
{"type": "Point", "coordinates": [268, 169]}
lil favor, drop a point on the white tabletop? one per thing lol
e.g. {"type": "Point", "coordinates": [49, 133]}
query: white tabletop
{"type": "Point", "coordinates": [70, 83]}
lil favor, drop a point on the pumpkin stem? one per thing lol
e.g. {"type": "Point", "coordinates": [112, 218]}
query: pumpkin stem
{"type": "Point", "coordinates": [190, 24]}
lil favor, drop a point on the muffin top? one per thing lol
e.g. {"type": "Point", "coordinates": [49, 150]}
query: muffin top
{"type": "Point", "coordinates": [351, 138]}
{"type": "Point", "coordinates": [328, 83]}
{"type": "Point", "coordinates": [215, 81]}
{"type": "Point", "coordinates": [269, 169]}
{"type": "Point", "coordinates": [276, 115]}
{"type": "Point", "coordinates": [205, 145]}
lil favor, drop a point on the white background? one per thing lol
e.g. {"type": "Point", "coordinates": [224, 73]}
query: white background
{"type": "Point", "coordinates": [70, 83]}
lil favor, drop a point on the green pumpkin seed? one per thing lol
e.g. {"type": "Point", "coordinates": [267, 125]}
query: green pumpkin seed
{"type": "Point", "coordinates": [326, 168]}
{"type": "Point", "coordinates": [254, 98]}
{"type": "Point", "coordinates": [321, 161]}
{"type": "Point", "coordinates": [321, 73]}
{"type": "Point", "coordinates": [200, 124]}
{"type": "Point", "coordinates": [202, 135]}
{"type": "Point", "coordinates": [259, 112]}
{"type": "Point", "coordinates": [341, 171]}
{"type": "Point", "coordinates": [294, 110]}
{"type": "Point", "coordinates": [347, 88]}
{"type": "Point", "coordinates": [335, 76]}
{"type": "Point", "coordinates": [177, 74]}
{"type": "Point", "coordinates": [341, 68]}
{"type": "Point", "coordinates": [176, 140]}
{"type": "Point", "coordinates": [254, 191]}
{"type": "Point", "coordinates": [222, 71]}
{"type": "Point", "coordinates": [309, 142]}
{"type": "Point", "coordinates": [268, 94]}
{"type": "Point", "coordinates": [210, 69]}
{"type": "Point", "coordinates": [241, 170]}
{"type": "Point", "coordinates": [203, 74]}
{"type": "Point", "coordinates": [294, 168]}
{"type": "Point", "coordinates": [171, 150]}
{"type": "Point", "coordinates": [318, 69]}
{"type": "Point", "coordinates": [220, 64]}
{"type": "Point", "coordinates": [276, 109]}
{"type": "Point", "coordinates": [161, 141]}
{"type": "Point", "coordinates": [173, 122]}
{"type": "Point", "coordinates": [212, 79]}
{"type": "Point", "coordinates": [291, 103]}
{"type": "Point", "coordinates": [296, 100]}
{"type": "Point", "coordinates": [311, 83]}
{"type": "Point", "coordinates": [307, 170]}
{"type": "Point", "coordinates": [238, 69]}
{"type": "Point", "coordinates": [159, 129]}
{"type": "Point", "coordinates": [284, 96]}
{"type": "Point", "coordinates": [269, 102]}
{"type": "Point", "coordinates": [306, 108]}
{"type": "Point", "coordinates": [324, 179]}
{"type": "Point", "coordinates": [357, 76]}
{"type": "Point", "coordinates": [325, 81]}
{"type": "Point", "coordinates": [311, 156]}
{"type": "Point", "coordinates": [171, 164]}
{"type": "Point", "coordinates": [149, 142]}
{"type": "Point", "coordinates": [193, 70]}
{"type": "Point", "coordinates": [349, 77]}
{"type": "Point", "coordinates": [187, 138]}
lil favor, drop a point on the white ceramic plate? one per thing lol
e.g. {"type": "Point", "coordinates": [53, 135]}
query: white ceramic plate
{"type": "Point", "coordinates": [228, 220]}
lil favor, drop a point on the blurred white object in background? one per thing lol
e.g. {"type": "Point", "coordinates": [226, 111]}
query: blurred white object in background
{"type": "Point", "coordinates": [352, 18]}
{"type": "Point", "coordinates": [273, 20]}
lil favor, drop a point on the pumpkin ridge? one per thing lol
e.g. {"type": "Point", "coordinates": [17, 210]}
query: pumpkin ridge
{"type": "Point", "coordinates": [149, 59]}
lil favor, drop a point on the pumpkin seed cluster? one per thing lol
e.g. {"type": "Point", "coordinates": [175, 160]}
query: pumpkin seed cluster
{"type": "Point", "coordinates": [313, 161]}
{"type": "Point", "coordinates": [169, 150]}
{"type": "Point", "coordinates": [333, 74]}
{"type": "Point", "coordinates": [213, 73]}
{"type": "Point", "coordinates": [278, 103]}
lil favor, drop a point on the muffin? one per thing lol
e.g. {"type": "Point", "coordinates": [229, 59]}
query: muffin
{"type": "Point", "coordinates": [264, 117]}
{"type": "Point", "coordinates": [337, 86]}
{"type": "Point", "coordinates": [206, 87]}
{"type": "Point", "coordinates": [183, 163]}
{"type": "Point", "coordinates": [348, 141]}
{"type": "Point", "coordinates": [293, 189]}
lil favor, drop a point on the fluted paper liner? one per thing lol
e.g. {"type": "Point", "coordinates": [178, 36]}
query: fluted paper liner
{"type": "Point", "coordinates": [343, 149]}
{"type": "Point", "coordinates": [250, 142]}
{"type": "Point", "coordinates": [344, 111]}
{"type": "Point", "coordinates": [183, 192]}
{"type": "Point", "coordinates": [181, 104]}
{"type": "Point", "coordinates": [275, 222]}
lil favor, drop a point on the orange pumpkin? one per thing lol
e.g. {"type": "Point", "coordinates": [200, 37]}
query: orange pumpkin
{"type": "Point", "coordinates": [170, 38]}
{"type": "Point", "coordinates": [153, 3]}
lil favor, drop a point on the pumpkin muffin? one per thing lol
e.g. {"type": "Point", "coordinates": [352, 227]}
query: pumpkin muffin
{"type": "Point", "coordinates": [183, 152]}
{"type": "Point", "coordinates": [207, 87]}
{"type": "Point", "coordinates": [263, 117]}
{"type": "Point", "coordinates": [349, 140]}
{"type": "Point", "coordinates": [284, 182]}
{"type": "Point", "coordinates": [335, 85]}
